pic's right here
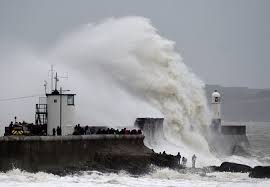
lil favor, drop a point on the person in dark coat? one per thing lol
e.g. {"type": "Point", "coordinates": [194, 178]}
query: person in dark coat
{"type": "Point", "coordinates": [58, 131]}
{"type": "Point", "coordinates": [53, 131]}
{"type": "Point", "coordinates": [178, 158]}
{"type": "Point", "coordinates": [193, 160]}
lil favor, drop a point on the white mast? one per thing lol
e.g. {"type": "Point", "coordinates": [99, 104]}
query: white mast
{"type": "Point", "coordinates": [45, 86]}
{"type": "Point", "coordinates": [56, 80]}
{"type": "Point", "coordinates": [51, 78]}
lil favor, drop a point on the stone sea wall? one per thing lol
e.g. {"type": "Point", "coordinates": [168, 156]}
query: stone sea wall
{"type": "Point", "coordinates": [62, 154]}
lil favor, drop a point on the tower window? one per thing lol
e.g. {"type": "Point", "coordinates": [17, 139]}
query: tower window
{"type": "Point", "coordinates": [70, 100]}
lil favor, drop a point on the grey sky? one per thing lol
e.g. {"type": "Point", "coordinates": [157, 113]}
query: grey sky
{"type": "Point", "coordinates": [224, 42]}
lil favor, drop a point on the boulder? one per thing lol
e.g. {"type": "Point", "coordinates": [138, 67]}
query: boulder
{"type": "Point", "coordinates": [165, 160]}
{"type": "Point", "coordinates": [233, 167]}
{"type": "Point", "coordinates": [260, 172]}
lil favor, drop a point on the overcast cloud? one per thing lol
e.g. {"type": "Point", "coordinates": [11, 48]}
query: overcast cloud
{"type": "Point", "coordinates": [224, 42]}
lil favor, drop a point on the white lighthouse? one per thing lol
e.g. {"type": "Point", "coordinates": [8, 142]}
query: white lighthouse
{"type": "Point", "coordinates": [60, 111]}
{"type": "Point", "coordinates": [215, 102]}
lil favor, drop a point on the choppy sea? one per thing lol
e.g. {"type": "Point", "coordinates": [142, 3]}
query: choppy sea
{"type": "Point", "coordinates": [258, 135]}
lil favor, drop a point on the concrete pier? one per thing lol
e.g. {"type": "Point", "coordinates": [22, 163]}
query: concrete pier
{"type": "Point", "coordinates": [60, 154]}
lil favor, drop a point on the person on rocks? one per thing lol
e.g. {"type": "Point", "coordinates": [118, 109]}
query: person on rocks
{"type": "Point", "coordinates": [178, 156]}
{"type": "Point", "coordinates": [184, 162]}
{"type": "Point", "coordinates": [193, 160]}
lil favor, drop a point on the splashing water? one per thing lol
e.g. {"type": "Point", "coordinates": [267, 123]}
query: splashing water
{"type": "Point", "coordinates": [158, 178]}
{"type": "Point", "coordinates": [128, 70]}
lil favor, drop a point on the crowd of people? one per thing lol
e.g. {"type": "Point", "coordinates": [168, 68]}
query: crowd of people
{"type": "Point", "coordinates": [78, 130]}
{"type": "Point", "coordinates": [178, 158]}
{"type": "Point", "coordinates": [116, 131]}
{"type": "Point", "coordinates": [184, 160]}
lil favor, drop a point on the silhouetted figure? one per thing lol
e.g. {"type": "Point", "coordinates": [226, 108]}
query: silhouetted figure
{"type": "Point", "coordinates": [184, 162]}
{"type": "Point", "coordinates": [75, 131]}
{"type": "Point", "coordinates": [53, 131]}
{"type": "Point", "coordinates": [58, 131]}
{"type": "Point", "coordinates": [86, 130]}
{"type": "Point", "coordinates": [11, 124]}
{"type": "Point", "coordinates": [193, 160]}
{"type": "Point", "coordinates": [82, 131]}
{"type": "Point", "coordinates": [178, 158]}
{"type": "Point", "coordinates": [164, 153]}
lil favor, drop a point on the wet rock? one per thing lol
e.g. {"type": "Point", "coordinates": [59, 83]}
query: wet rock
{"type": "Point", "coordinates": [165, 160]}
{"type": "Point", "coordinates": [233, 167]}
{"type": "Point", "coordinates": [260, 172]}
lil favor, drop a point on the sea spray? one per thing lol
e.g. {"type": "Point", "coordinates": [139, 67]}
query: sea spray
{"type": "Point", "coordinates": [128, 70]}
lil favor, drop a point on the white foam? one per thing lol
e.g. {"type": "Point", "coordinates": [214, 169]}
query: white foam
{"type": "Point", "coordinates": [160, 177]}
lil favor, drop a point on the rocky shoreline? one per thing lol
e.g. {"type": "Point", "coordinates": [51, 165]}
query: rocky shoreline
{"type": "Point", "coordinates": [256, 172]}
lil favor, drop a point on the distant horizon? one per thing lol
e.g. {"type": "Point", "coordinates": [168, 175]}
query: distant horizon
{"type": "Point", "coordinates": [233, 86]}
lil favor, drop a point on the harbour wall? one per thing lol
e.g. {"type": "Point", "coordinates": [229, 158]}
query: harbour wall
{"type": "Point", "coordinates": [233, 129]}
{"type": "Point", "coordinates": [62, 154]}
{"type": "Point", "coordinates": [152, 129]}
{"type": "Point", "coordinates": [229, 144]}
